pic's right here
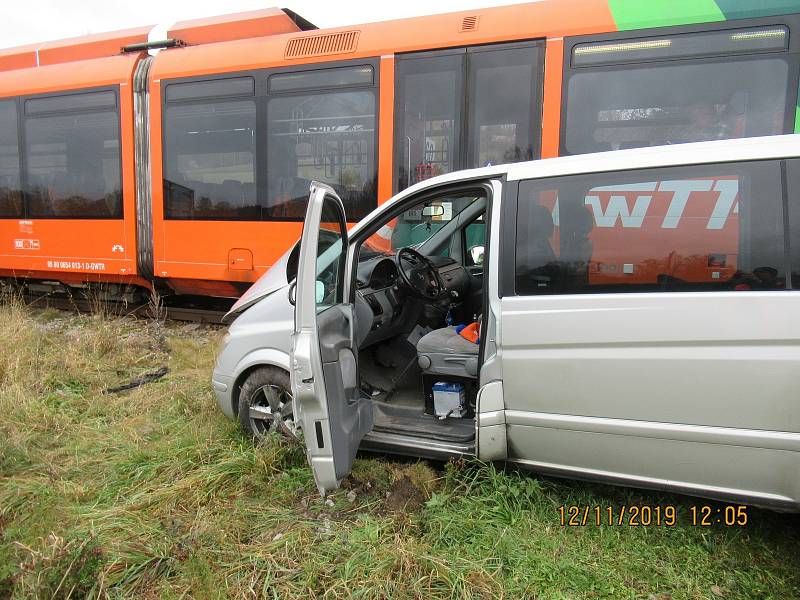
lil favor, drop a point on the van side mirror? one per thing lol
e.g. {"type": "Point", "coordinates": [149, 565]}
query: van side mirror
{"type": "Point", "coordinates": [319, 292]}
{"type": "Point", "coordinates": [319, 289]}
{"type": "Point", "coordinates": [476, 255]}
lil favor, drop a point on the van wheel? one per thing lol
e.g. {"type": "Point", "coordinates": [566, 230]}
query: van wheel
{"type": "Point", "coordinates": [265, 403]}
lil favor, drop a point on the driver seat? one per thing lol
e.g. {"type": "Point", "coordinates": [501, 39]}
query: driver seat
{"type": "Point", "coordinates": [445, 352]}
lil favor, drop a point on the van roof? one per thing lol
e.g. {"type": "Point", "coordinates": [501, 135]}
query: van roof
{"type": "Point", "coordinates": [757, 148]}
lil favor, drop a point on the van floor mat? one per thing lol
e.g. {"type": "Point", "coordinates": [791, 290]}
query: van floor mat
{"type": "Point", "coordinates": [389, 380]}
{"type": "Point", "coordinates": [411, 420]}
{"type": "Point", "coordinates": [395, 353]}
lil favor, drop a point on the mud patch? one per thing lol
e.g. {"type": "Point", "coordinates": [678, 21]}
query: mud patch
{"type": "Point", "coordinates": [403, 495]}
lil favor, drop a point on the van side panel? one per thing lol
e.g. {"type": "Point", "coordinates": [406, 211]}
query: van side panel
{"type": "Point", "coordinates": [659, 346]}
{"type": "Point", "coordinates": [658, 360]}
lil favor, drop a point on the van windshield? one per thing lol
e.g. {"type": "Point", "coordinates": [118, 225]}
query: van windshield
{"type": "Point", "coordinates": [419, 223]}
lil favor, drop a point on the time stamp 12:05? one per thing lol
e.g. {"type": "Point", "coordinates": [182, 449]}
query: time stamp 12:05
{"type": "Point", "coordinates": [646, 515]}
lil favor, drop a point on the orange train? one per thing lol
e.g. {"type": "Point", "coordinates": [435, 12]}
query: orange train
{"type": "Point", "coordinates": [184, 164]}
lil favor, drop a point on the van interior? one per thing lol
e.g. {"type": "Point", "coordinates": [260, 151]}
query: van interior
{"type": "Point", "coordinates": [419, 299]}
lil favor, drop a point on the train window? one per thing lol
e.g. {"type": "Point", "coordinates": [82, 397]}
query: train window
{"type": "Point", "coordinates": [234, 86]}
{"type": "Point", "coordinates": [716, 227]}
{"type": "Point", "coordinates": [10, 181]}
{"type": "Point", "coordinates": [328, 137]}
{"type": "Point", "coordinates": [640, 92]}
{"type": "Point", "coordinates": [73, 166]}
{"type": "Point", "coordinates": [502, 126]}
{"type": "Point", "coordinates": [675, 103]}
{"type": "Point", "coordinates": [429, 107]}
{"type": "Point", "coordinates": [322, 79]}
{"type": "Point", "coordinates": [68, 102]}
{"type": "Point", "coordinates": [209, 161]}
{"type": "Point", "coordinates": [450, 116]}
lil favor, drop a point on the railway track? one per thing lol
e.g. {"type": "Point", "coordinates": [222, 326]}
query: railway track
{"type": "Point", "coordinates": [119, 308]}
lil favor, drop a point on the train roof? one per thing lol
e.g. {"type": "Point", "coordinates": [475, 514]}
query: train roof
{"type": "Point", "coordinates": [486, 25]}
{"type": "Point", "coordinates": [280, 37]}
{"type": "Point", "coordinates": [100, 59]}
{"type": "Point", "coordinates": [71, 49]}
{"type": "Point", "coordinates": [81, 74]}
{"type": "Point", "coordinates": [542, 19]}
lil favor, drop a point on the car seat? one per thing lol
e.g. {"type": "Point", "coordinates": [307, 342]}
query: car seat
{"type": "Point", "coordinates": [444, 352]}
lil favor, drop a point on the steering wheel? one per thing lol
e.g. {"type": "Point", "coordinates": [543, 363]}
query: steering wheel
{"type": "Point", "coordinates": [419, 274]}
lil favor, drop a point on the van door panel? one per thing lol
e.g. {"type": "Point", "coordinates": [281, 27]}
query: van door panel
{"type": "Point", "coordinates": [683, 466]}
{"type": "Point", "coordinates": [324, 376]}
{"type": "Point", "coordinates": [726, 360]}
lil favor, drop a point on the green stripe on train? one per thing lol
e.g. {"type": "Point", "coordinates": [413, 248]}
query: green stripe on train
{"type": "Point", "coordinates": [797, 120]}
{"type": "Point", "coordinates": [638, 14]}
{"type": "Point", "coordinates": [746, 9]}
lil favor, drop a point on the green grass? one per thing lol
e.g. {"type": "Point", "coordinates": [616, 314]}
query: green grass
{"type": "Point", "coordinates": [154, 494]}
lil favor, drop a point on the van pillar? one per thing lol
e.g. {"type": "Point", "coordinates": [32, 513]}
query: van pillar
{"type": "Point", "coordinates": [490, 418]}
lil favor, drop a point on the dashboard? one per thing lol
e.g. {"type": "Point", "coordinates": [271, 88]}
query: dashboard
{"type": "Point", "coordinates": [380, 285]}
{"type": "Point", "coordinates": [380, 275]}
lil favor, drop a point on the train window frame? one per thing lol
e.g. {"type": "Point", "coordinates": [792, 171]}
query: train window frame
{"type": "Point", "coordinates": [791, 55]}
{"type": "Point", "coordinates": [30, 103]}
{"type": "Point", "coordinates": [262, 96]}
{"type": "Point", "coordinates": [185, 85]}
{"type": "Point", "coordinates": [119, 215]}
{"type": "Point", "coordinates": [14, 101]}
{"type": "Point", "coordinates": [315, 88]}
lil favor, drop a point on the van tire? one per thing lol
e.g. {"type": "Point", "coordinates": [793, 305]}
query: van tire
{"type": "Point", "coordinates": [265, 392]}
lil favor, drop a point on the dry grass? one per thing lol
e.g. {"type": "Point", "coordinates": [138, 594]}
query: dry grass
{"type": "Point", "coordinates": [154, 494]}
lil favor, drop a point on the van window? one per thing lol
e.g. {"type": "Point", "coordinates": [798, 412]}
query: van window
{"type": "Point", "coordinates": [10, 184]}
{"type": "Point", "coordinates": [209, 161]}
{"type": "Point", "coordinates": [679, 229]}
{"type": "Point", "coordinates": [474, 238]}
{"type": "Point", "coordinates": [73, 162]}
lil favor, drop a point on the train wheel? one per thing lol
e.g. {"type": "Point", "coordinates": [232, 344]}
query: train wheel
{"type": "Point", "coordinates": [265, 403]}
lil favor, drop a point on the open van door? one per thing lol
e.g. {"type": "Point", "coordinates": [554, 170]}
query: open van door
{"type": "Point", "coordinates": [324, 374]}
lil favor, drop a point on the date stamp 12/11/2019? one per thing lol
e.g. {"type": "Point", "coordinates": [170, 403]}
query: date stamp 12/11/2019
{"type": "Point", "coordinates": [658, 515]}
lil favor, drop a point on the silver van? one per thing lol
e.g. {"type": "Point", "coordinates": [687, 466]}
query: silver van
{"type": "Point", "coordinates": [635, 314]}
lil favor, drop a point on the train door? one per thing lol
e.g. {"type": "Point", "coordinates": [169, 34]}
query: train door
{"type": "Point", "coordinates": [449, 115]}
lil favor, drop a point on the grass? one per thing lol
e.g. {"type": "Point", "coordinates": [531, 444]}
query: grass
{"type": "Point", "coordinates": [152, 493]}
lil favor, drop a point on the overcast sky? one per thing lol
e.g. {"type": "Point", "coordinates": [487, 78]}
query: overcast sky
{"type": "Point", "coordinates": [44, 20]}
